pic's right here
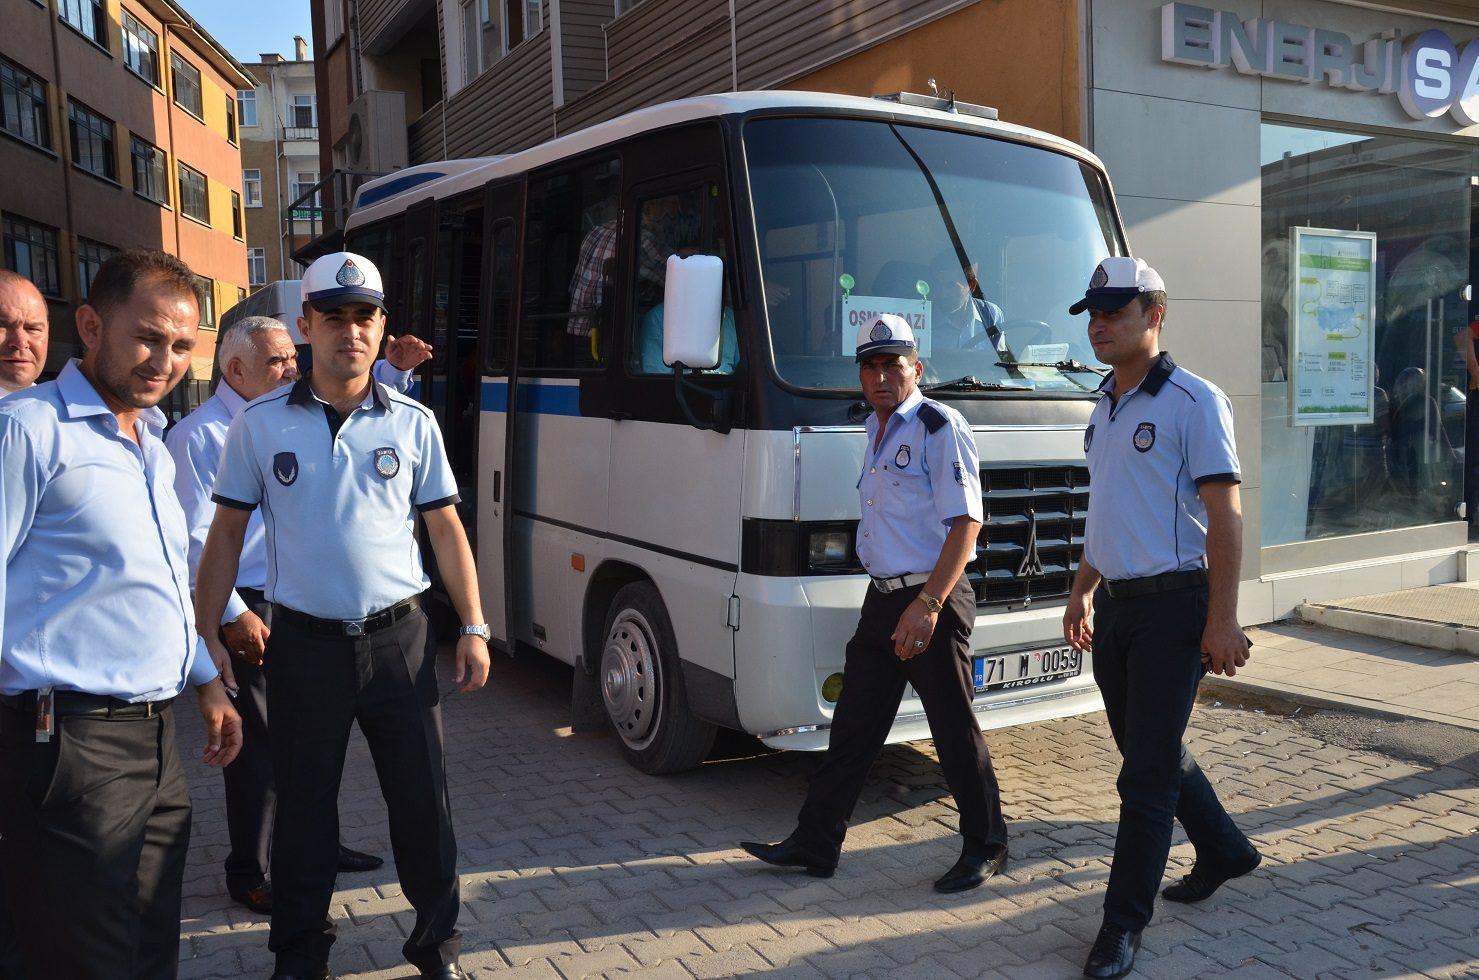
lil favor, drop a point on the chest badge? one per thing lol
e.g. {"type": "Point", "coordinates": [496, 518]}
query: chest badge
{"type": "Point", "coordinates": [1145, 436]}
{"type": "Point", "coordinates": [387, 463]}
{"type": "Point", "coordinates": [901, 458]}
{"type": "Point", "coordinates": [1088, 438]}
{"type": "Point", "coordinates": [285, 468]}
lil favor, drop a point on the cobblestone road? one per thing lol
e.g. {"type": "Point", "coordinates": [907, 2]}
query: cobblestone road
{"type": "Point", "coordinates": [574, 865]}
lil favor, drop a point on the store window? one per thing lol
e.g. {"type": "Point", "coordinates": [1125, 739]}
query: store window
{"type": "Point", "coordinates": [1360, 324]}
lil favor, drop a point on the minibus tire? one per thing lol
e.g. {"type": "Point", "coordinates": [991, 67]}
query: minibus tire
{"type": "Point", "coordinates": [642, 687]}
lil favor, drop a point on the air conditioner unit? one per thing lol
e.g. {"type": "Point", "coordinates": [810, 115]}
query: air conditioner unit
{"type": "Point", "coordinates": [374, 139]}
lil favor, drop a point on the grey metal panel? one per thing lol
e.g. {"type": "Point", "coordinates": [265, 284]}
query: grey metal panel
{"type": "Point", "coordinates": [382, 22]}
{"type": "Point", "coordinates": [1158, 147]}
{"type": "Point", "coordinates": [508, 107]}
{"type": "Point", "coordinates": [1363, 547]}
{"type": "Point", "coordinates": [583, 43]}
{"type": "Point", "coordinates": [778, 40]}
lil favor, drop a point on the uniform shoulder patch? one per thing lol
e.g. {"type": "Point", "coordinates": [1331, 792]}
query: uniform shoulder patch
{"type": "Point", "coordinates": [934, 420]}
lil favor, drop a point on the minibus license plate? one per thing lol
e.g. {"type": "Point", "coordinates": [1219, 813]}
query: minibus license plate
{"type": "Point", "coordinates": [1010, 670]}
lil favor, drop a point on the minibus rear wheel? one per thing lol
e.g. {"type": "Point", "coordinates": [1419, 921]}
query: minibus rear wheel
{"type": "Point", "coordinates": [642, 686]}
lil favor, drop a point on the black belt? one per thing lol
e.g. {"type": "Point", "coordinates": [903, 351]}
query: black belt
{"type": "Point", "coordinates": [80, 703]}
{"type": "Point", "coordinates": [1131, 588]}
{"type": "Point", "coordinates": [347, 627]}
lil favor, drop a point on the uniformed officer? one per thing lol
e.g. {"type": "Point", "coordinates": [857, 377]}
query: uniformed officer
{"type": "Point", "coordinates": [257, 356]}
{"type": "Point", "coordinates": [920, 494]}
{"type": "Point", "coordinates": [1164, 539]}
{"type": "Point", "coordinates": [340, 466]}
{"type": "Point", "coordinates": [99, 639]}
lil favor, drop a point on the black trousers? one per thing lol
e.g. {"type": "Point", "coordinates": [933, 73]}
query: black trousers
{"type": "Point", "coordinates": [95, 825]}
{"type": "Point", "coordinates": [251, 799]}
{"type": "Point", "coordinates": [873, 685]}
{"type": "Point", "coordinates": [1148, 664]}
{"type": "Point", "coordinates": [319, 686]}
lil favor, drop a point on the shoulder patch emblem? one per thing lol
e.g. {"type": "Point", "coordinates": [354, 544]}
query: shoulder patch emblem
{"type": "Point", "coordinates": [902, 457]}
{"type": "Point", "coordinates": [1145, 436]}
{"type": "Point", "coordinates": [349, 274]}
{"type": "Point", "coordinates": [959, 472]}
{"type": "Point", "coordinates": [285, 468]}
{"type": "Point", "coordinates": [1088, 438]}
{"type": "Point", "coordinates": [387, 463]}
{"type": "Point", "coordinates": [934, 419]}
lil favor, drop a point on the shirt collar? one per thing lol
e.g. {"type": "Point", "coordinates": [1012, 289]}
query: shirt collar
{"type": "Point", "coordinates": [302, 394]}
{"type": "Point", "coordinates": [1155, 379]}
{"type": "Point", "coordinates": [903, 413]}
{"type": "Point", "coordinates": [230, 399]}
{"type": "Point", "coordinates": [83, 401]}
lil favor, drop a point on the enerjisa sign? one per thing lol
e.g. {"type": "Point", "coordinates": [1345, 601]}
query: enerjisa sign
{"type": "Point", "coordinates": [1430, 74]}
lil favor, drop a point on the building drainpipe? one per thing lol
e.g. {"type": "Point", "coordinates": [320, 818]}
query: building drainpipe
{"type": "Point", "coordinates": [277, 158]}
{"type": "Point", "coordinates": [169, 116]}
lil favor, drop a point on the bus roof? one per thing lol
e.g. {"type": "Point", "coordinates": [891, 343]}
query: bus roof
{"type": "Point", "coordinates": [388, 195]}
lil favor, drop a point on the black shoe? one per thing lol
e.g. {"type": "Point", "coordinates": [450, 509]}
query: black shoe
{"type": "Point", "coordinates": [1205, 878]}
{"type": "Point", "coordinates": [322, 974]}
{"type": "Point", "coordinates": [971, 870]}
{"type": "Point", "coordinates": [358, 861]}
{"type": "Point", "coordinates": [449, 972]}
{"type": "Point", "coordinates": [256, 897]}
{"type": "Point", "coordinates": [1113, 954]}
{"type": "Point", "coordinates": [789, 854]}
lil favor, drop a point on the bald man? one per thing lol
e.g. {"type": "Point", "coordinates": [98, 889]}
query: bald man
{"type": "Point", "coordinates": [23, 332]}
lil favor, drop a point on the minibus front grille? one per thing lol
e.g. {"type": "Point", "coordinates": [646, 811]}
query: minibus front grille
{"type": "Point", "coordinates": [1033, 534]}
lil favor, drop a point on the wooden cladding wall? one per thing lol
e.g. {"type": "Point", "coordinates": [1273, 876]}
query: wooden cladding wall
{"type": "Point", "coordinates": [583, 44]}
{"type": "Point", "coordinates": [424, 136]}
{"type": "Point", "coordinates": [778, 40]}
{"type": "Point", "coordinates": [382, 21]}
{"type": "Point", "coordinates": [508, 107]}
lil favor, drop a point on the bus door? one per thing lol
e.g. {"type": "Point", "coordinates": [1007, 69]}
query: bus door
{"type": "Point", "coordinates": [411, 311]}
{"type": "Point", "coordinates": [503, 209]}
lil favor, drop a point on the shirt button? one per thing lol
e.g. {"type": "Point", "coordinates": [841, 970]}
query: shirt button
{"type": "Point", "coordinates": [867, 534]}
{"type": "Point", "coordinates": [870, 503]}
{"type": "Point", "coordinates": [873, 469]}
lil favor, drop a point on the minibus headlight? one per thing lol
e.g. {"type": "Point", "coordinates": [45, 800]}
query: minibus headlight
{"type": "Point", "coordinates": [832, 688]}
{"type": "Point", "coordinates": [829, 547]}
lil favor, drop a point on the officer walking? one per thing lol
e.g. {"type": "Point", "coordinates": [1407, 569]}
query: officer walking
{"type": "Point", "coordinates": [340, 466]}
{"type": "Point", "coordinates": [257, 356]}
{"type": "Point", "coordinates": [99, 639]}
{"type": "Point", "coordinates": [920, 494]}
{"type": "Point", "coordinates": [1164, 540]}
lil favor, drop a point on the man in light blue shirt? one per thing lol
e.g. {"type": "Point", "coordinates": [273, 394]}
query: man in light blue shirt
{"type": "Point", "coordinates": [98, 639]}
{"type": "Point", "coordinates": [257, 356]}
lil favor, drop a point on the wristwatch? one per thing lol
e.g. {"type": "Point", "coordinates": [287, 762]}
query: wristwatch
{"type": "Point", "coordinates": [930, 602]}
{"type": "Point", "coordinates": [481, 630]}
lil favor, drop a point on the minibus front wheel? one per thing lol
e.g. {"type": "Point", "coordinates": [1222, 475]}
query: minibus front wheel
{"type": "Point", "coordinates": [642, 686]}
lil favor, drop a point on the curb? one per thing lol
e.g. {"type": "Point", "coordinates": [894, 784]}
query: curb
{"type": "Point", "coordinates": [1329, 699]}
{"type": "Point", "coordinates": [1414, 632]}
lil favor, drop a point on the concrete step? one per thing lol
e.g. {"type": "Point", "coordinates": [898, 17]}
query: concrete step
{"type": "Point", "coordinates": [1441, 617]}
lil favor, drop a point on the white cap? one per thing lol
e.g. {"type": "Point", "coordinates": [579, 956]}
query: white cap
{"type": "Point", "coordinates": [887, 333]}
{"type": "Point", "coordinates": [339, 278]}
{"type": "Point", "coordinates": [1115, 282]}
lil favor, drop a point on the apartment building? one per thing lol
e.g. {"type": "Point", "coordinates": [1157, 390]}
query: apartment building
{"type": "Point", "coordinates": [278, 121]}
{"type": "Point", "coordinates": [118, 129]}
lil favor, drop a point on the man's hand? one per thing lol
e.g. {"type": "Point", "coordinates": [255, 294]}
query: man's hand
{"type": "Point", "coordinates": [221, 657]}
{"type": "Point", "coordinates": [472, 663]}
{"type": "Point", "coordinates": [222, 724]}
{"type": "Point", "coordinates": [912, 635]}
{"type": "Point", "coordinates": [246, 637]}
{"type": "Point", "coordinates": [1076, 628]}
{"type": "Point", "coordinates": [1224, 647]}
{"type": "Point", "coordinates": [407, 353]}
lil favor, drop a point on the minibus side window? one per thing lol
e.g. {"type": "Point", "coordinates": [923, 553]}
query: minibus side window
{"type": "Point", "coordinates": [505, 258]}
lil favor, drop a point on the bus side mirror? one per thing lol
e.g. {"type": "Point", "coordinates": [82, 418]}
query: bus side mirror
{"type": "Point", "coordinates": [693, 309]}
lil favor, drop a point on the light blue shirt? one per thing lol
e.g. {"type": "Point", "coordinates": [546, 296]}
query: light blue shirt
{"type": "Point", "coordinates": [651, 361]}
{"type": "Point", "coordinates": [924, 475]}
{"type": "Point", "coordinates": [96, 582]}
{"type": "Point", "coordinates": [1149, 449]}
{"type": "Point", "coordinates": [196, 444]}
{"type": "Point", "coordinates": [339, 510]}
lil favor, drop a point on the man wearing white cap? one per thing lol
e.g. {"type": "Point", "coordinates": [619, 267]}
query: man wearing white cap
{"type": "Point", "coordinates": [341, 467]}
{"type": "Point", "coordinates": [1164, 540]}
{"type": "Point", "coordinates": [920, 496]}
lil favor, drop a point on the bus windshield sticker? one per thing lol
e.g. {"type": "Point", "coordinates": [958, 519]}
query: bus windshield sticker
{"type": "Point", "coordinates": [858, 309]}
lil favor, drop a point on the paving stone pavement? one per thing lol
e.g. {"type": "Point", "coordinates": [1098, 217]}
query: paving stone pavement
{"type": "Point", "coordinates": [575, 865]}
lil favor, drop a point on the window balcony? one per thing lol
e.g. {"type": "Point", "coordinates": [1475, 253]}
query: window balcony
{"type": "Point", "coordinates": [292, 133]}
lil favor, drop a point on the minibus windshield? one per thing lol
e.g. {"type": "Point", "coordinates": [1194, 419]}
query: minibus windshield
{"type": "Point", "coordinates": [982, 244]}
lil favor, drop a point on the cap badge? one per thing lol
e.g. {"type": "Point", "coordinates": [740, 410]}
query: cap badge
{"type": "Point", "coordinates": [349, 274]}
{"type": "Point", "coordinates": [387, 463]}
{"type": "Point", "coordinates": [1100, 278]}
{"type": "Point", "coordinates": [1145, 436]}
{"type": "Point", "coordinates": [881, 331]}
{"type": "Point", "coordinates": [901, 458]}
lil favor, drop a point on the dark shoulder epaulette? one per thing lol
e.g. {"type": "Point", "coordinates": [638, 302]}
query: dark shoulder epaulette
{"type": "Point", "coordinates": [934, 419]}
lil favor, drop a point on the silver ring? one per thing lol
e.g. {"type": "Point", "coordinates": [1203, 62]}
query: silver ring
{"type": "Point", "coordinates": [919, 643]}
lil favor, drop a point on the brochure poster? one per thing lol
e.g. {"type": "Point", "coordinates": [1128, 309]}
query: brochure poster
{"type": "Point", "coordinates": [858, 310]}
{"type": "Point", "coordinates": [1332, 336]}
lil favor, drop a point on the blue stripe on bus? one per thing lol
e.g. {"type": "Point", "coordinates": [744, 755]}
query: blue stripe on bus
{"type": "Point", "coordinates": [391, 188]}
{"type": "Point", "coordinates": [536, 398]}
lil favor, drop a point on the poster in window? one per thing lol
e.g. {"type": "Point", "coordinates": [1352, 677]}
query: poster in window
{"type": "Point", "coordinates": [1332, 336]}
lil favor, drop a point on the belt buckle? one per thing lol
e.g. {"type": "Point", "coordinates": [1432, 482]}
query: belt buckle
{"type": "Point", "coordinates": [354, 627]}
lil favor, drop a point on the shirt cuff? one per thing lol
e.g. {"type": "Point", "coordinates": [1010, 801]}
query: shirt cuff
{"type": "Point", "coordinates": [233, 504]}
{"type": "Point", "coordinates": [235, 606]}
{"type": "Point", "coordinates": [439, 504]}
{"type": "Point", "coordinates": [202, 671]}
{"type": "Point", "coordinates": [391, 376]}
{"type": "Point", "coordinates": [1202, 481]}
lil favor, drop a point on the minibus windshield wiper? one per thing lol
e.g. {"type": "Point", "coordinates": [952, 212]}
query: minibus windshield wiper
{"type": "Point", "coordinates": [1068, 365]}
{"type": "Point", "coordinates": [971, 383]}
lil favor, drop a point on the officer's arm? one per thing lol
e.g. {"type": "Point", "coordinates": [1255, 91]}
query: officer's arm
{"type": "Point", "coordinates": [219, 562]}
{"type": "Point", "coordinates": [460, 576]}
{"type": "Point", "coordinates": [1076, 627]}
{"type": "Point", "coordinates": [955, 554]}
{"type": "Point", "coordinates": [1224, 550]}
{"type": "Point", "coordinates": [22, 477]}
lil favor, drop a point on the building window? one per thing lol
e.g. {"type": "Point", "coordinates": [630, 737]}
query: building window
{"type": "Point", "coordinates": [230, 120]}
{"type": "Point", "coordinates": [236, 216]}
{"type": "Point", "coordinates": [303, 182]}
{"type": "Point", "coordinates": [1398, 374]}
{"type": "Point", "coordinates": [90, 256]}
{"type": "Point", "coordinates": [195, 202]}
{"type": "Point", "coordinates": [88, 17]}
{"type": "Point", "coordinates": [256, 266]}
{"type": "Point", "coordinates": [491, 28]}
{"type": "Point", "coordinates": [185, 80]}
{"type": "Point", "coordinates": [251, 186]}
{"type": "Point", "coordinates": [30, 249]}
{"type": "Point", "coordinates": [246, 106]}
{"type": "Point", "coordinates": [302, 114]}
{"type": "Point", "coordinates": [207, 289]}
{"type": "Point", "coordinates": [140, 49]}
{"type": "Point", "coordinates": [149, 172]}
{"type": "Point", "coordinates": [93, 147]}
{"type": "Point", "coordinates": [622, 6]}
{"type": "Point", "coordinates": [23, 105]}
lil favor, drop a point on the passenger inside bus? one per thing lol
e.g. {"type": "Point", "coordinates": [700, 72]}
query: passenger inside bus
{"type": "Point", "coordinates": [648, 349]}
